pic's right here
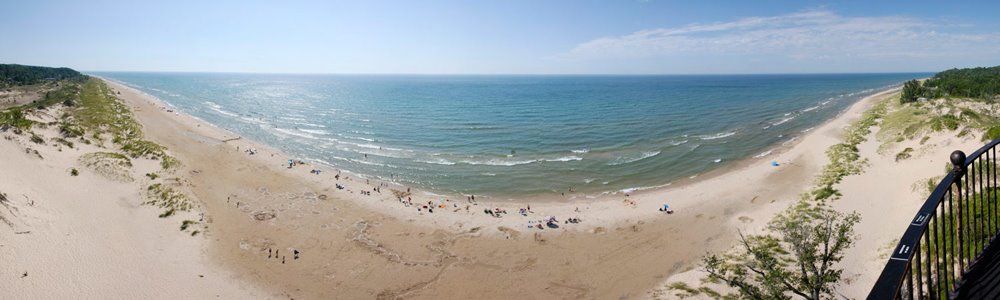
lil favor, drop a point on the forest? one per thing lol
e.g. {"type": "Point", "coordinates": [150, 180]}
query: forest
{"type": "Point", "coordinates": [14, 75]}
{"type": "Point", "coordinates": [977, 83]}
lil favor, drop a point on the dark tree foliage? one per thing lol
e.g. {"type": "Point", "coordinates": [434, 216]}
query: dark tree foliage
{"type": "Point", "coordinates": [911, 91]}
{"type": "Point", "coordinates": [12, 75]}
{"type": "Point", "coordinates": [981, 83]}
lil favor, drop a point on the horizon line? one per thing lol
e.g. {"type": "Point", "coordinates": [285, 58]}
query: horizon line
{"type": "Point", "coordinates": [507, 74]}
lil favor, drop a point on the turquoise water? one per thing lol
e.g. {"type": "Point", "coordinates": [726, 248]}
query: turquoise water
{"type": "Point", "coordinates": [516, 135]}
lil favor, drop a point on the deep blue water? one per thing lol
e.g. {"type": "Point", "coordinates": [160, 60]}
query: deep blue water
{"type": "Point", "coordinates": [516, 135]}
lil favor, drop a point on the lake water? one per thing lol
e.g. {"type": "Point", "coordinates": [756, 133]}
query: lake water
{"type": "Point", "coordinates": [516, 135]}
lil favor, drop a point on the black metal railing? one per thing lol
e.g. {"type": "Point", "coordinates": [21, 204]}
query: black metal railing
{"type": "Point", "coordinates": [947, 237]}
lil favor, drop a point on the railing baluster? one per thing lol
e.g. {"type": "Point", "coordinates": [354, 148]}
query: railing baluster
{"type": "Point", "coordinates": [980, 196]}
{"type": "Point", "coordinates": [920, 272]}
{"type": "Point", "coordinates": [979, 201]}
{"type": "Point", "coordinates": [909, 284]}
{"type": "Point", "coordinates": [942, 258]}
{"type": "Point", "coordinates": [953, 231]}
{"type": "Point", "coordinates": [963, 190]}
{"type": "Point", "coordinates": [990, 172]}
{"type": "Point", "coordinates": [973, 210]}
{"type": "Point", "coordinates": [993, 190]}
{"type": "Point", "coordinates": [931, 255]}
{"type": "Point", "coordinates": [987, 201]}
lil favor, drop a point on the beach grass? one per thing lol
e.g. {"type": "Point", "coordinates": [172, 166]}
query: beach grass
{"type": "Point", "coordinates": [14, 118]}
{"type": "Point", "coordinates": [845, 160]}
{"type": "Point", "coordinates": [166, 197]}
{"type": "Point", "coordinates": [909, 121]}
{"type": "Point", "coordinates": [105, 116]}
{"type": "Point", "coordinates": [188, 223]}
{"type": "Point", "coordinates": [111, 165]}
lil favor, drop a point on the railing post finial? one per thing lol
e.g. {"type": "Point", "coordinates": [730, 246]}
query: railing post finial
{"type": "Point", "coordinates": [958, 161]}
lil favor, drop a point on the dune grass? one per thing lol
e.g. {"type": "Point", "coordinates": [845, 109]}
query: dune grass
{"type": "Point", "coordinates": [167, 198]}
{"type": "Point", "coordinates": [106, 117]}
{"type": "Point", "coordinates": [111, 165]}
{"type": "Point", "coordinates": [912, 120]}
{"type": "Point", "coordinates": [844, 157]}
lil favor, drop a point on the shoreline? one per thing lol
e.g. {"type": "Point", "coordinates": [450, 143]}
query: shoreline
{"type": "Point", "coordinates": [602, 211]}
{"type": "Point", "coordinates": [364, 246]}
{"type": "Point", "coordinates": [552, 196]}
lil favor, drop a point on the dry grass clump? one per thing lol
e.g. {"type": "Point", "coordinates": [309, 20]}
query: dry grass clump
{"type": "Point", "coordinates": [168, 198]}
{"type": "Point", "coordinates": [111, 165]}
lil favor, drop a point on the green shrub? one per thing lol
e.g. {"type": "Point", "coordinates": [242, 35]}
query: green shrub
{"type": "Point", "coordinates": [63, 141]}
{"type": "Point", "coordinates": [187, 223]}
{"type": "Point", "coordinates": [906, 153]}
{"type": "Point", "coordinates": [825, 192]}
{"type": "Point", "coordinates": [169, 162]}
{"type": "Point", "coordinates": [992, 133]}
{"type": "Point", "coordinates": [949, 122]}
{"type": "Point", "coordinates": [74, 172]}
{"type": "Point", "coordinates": [14, 118]}
{"type": "Point", "coordinates": [69, 130]}
{"type": "Point", "coordinates": [169, 212]}
{"type": "Point", "coordinates": [141, 148]}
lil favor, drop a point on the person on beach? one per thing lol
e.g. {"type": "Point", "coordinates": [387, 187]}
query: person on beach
{"type": "Point", "coordinates": [295, 254]}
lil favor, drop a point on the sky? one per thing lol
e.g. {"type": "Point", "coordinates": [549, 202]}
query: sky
{"type": "Point", "coordinates": [502, 37]}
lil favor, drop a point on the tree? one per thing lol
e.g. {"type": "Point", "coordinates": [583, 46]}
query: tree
{"type": "Point", "coordinates": [796, 260]}
{"type": "Point", "coordinates": [911, 91]}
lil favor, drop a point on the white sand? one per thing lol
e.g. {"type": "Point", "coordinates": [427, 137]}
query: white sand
{"type": "Point", "coordinates": [87, 237]}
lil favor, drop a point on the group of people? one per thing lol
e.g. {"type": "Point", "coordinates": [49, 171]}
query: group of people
{"type": "Point", "coordinates": [495, 212]}
{"type": "Point", "coordinates": [250, 151]}
{"type": "Point", "coordinates": [277, 252]}
{"type": "Point", "coordinates": [430, 206]}
{"type": "Point", "coordinates": [292, 163]}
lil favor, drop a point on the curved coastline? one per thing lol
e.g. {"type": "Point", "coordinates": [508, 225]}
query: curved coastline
{"type": "Point", "coordinates": [457, 161]}
{"type": "Point", "coordinates": [629, 234]}
{"type": "Point", "coordinates": [720, 166]}
{"type": "Point", "coordinates": [554, 203]}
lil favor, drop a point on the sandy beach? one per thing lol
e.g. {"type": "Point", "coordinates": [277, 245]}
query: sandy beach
{"type": "Point", "coordinates": [259, 213]}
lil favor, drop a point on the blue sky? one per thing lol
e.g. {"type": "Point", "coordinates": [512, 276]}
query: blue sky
{"type": "Point", "coordinates": [506, 37]}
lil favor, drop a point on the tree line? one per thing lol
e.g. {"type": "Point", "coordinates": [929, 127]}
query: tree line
{"type": "Point", "coordinates": [979, 83]}
{"type": "Point", "coordinates": [13, 74]}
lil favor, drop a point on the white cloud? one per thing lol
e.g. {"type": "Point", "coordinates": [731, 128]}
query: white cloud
{"type": "Point", "coordinates": [807, 36]}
